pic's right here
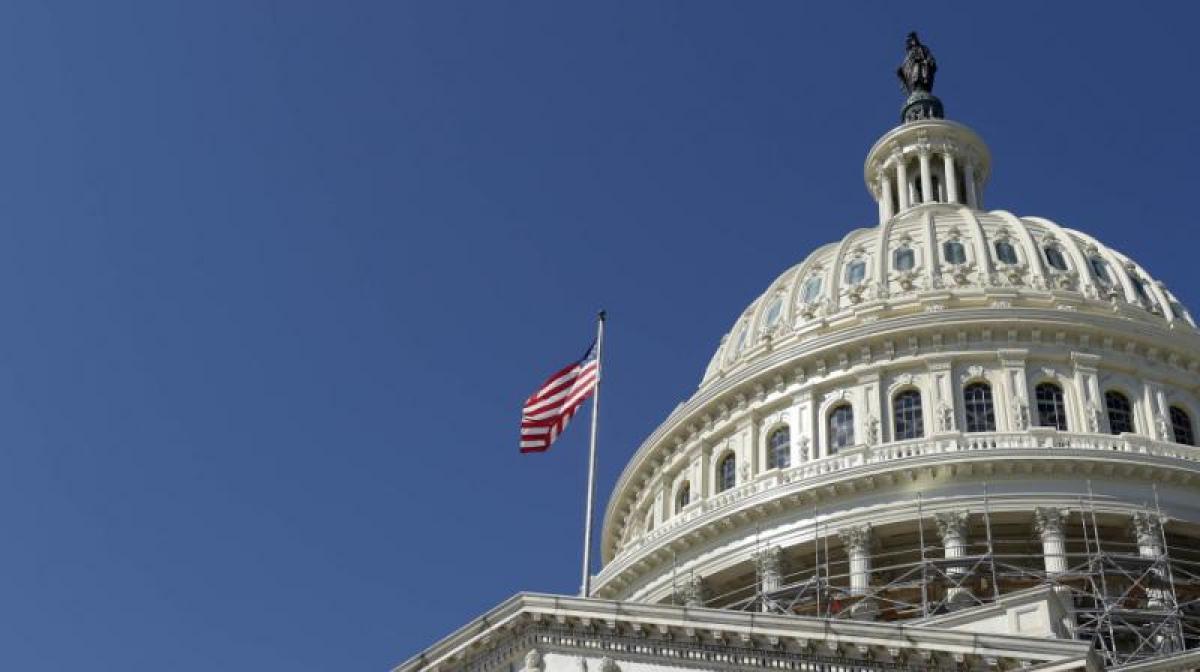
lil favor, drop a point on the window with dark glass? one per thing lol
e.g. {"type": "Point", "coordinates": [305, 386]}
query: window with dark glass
{"type": "Point", "coordinates": [1005, 252]}
{"type": "Point", "coordinates": [779, 445]}
{"type": "Point", "coordinates": [1100, 270]}
{"type": "Point", "coordinates": [683, 497]}
{"type": "Point", "coordinates": [1051, 408]}
{"type": "Point", "coordinates": [906, 415]}
{"type": "Point", "coordinates": [1139, 286]}
{"type": "Point", "coordinates": [1055, 258]}
{"type": "Point", "coordinates": [727, 473]}
{"type": "Point", "coordinates": [954, 252]}
{"type": "Point", "coordinates": [856, 271]}
{"type": "Point", "coordinates": [841, 428]}
{"type": "Point", "coordinates": [812, 289]}
{"type": "Point", "coordinates": [1181, 426]}
{"type": "Point", "coordinates": [904, 259]}
{"type": "Point", "coordinates": [978, 410]}
{"type": "Point", "coordinates": [1120, 412]}
{"type": "Point", "coordinates": [936, 188]}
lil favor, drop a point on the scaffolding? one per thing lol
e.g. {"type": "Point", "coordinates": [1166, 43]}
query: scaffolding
{"type": "Point", "coordinates": [1133, 600]}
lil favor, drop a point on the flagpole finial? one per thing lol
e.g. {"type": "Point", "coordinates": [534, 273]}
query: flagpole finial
{"type": "Point", "coordinates": [603, 314]}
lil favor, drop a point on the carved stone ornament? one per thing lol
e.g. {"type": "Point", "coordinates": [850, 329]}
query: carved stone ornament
{"type": "Point", "coordinates": [856, 539]}
{"type": "Point", "coordinates": [1093, 417]}
{"type": "Point", "coordinates": [952, 526]}
{"type": "Point", "coordinates": [691, 592]}
{"type": "Point", "coordinates": [872, 430]}
{"type": "Point", "coordinates": [1021, 413]}
{"type": "Point", "coordinates": [1049, 520]}
{"type": "Point", "coordinates": [804, 448]}
{"type": "Point", "coordinates": [973, 371]}
{"type": "Point", "coordinates": [608, 665]}
{"type": "Point", "coordinates": [945, 417]}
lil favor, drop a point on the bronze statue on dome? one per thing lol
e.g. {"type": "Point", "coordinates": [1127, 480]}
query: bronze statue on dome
{"type": "Point", "coordinates": [917, 71]}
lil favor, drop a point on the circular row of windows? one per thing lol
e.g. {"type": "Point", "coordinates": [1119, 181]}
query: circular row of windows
{"type": "Point", "coordinates": [908, 422]}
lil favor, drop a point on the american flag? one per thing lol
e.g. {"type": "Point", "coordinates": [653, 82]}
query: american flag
{"type": "Point", "coordinates": [548, 410]}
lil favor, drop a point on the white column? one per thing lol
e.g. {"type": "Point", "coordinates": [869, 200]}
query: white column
{"type": "Point", "coordinates": [770, 572]}
{"type": "Point", "coordinates": [885, 200]}
{"type": "Point", "coordinates": [927, 195]}
{"type": "Point", "coordinates": [1049, 525]}
{"type": "Point", "coordinates": [1149, 540]}
{"type": "Point", "coordinates": [969, 179]}
{"type": "Point", "coordinates": [902, 182]}
{"type": "Point", "coordinates": [951, 180]}
{"type": "Point", "coordinates": [952, 528]}
{"type": "Point", "coordinates": [857, 540]}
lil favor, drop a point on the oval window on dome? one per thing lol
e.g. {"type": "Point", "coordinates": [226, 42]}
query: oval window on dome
{"type": "Point", "coordinates": [739, 343]}
{"type": "Point", "coordinates": [856, 272]}
{"type": "Point", "coordinates": [1005, 252]}
{"type": "Point", "coordinates": [904, 259]}
{"type": "Point", "coordinates": [954, 252]}
{"type": "Point", "coordinates": [1139, 286]}
{"type": "Point", "coordinates": [1055, 258]}
{"type": "Point", "coordinates": [812, 289]}
{"type": "Point", "coordinates": [773, 312]}
{"type": "Point", "coordinates": [1100, 270]}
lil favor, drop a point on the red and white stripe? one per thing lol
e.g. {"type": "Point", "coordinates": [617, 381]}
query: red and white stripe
{"type": "Point", "coordinates": [548, 410]}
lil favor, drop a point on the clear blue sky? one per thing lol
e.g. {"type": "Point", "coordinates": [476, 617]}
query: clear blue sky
{"type": "Point", "coordinates": [276, 276]}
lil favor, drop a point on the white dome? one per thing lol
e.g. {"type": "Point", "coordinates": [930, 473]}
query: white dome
{"type": "Point", "coordinates": [938, 257]}
{"type": "Point", "coordinates": [973, 369]}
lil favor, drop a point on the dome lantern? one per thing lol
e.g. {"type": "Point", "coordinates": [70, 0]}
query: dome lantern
{"type": "Point", "coordinates": [926, 159]}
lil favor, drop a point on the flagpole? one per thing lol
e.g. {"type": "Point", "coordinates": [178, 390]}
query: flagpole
{"type": "Point", "coordinates": [586, 589]}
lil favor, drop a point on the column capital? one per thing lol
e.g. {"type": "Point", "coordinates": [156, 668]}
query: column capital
{"type": "Point", "coordinates": [770, 561]}
{"type": "Point", "coordinates": [1049, 520]}
{"type": "Point", "coordinates": [691, 592]}
{"type": "Point", "coordinates": [952, 526]}
{"type": "Point", "coordinates": [856, 538]}
{"type": "Point", "coordinates": [1146, 528]}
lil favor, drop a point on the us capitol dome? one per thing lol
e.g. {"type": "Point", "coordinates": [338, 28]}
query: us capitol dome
{"type": "Point", "coordinates": [959, 439]}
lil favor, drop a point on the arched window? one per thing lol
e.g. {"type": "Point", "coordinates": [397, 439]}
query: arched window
{"type": "Point", "coordinates": [1181, 426]}
{"type": "Point", "coordinates": [954, 252]}
{"type": "Point", "coordinates": [907, 420]}
{"type": "Point", "coordinates": [779, 449]}
{"type": "Point", "coordinates": [904, 259]}
{"type": "Point", "coordinates": [841, 428]}
{"type": "Point", "coordinates": [727, 473]}
{"type": "Point", "coordinates": [683, 497]}
{"type": "Point", "coordinates": [1051, 409]}
{"type": "Point", "coordinates": [1005, 252]}
{"type": "Point", "coordinates": [1055, 258]}
{"type": "Point", "coordinates": [1100, 270]}
{"type": "Point", "coordinates": [812, 289]}
{"type": "Point", "coordinates": [856, 272]}
{"type": "Point", "coordinates": [1120, 412]}
{"type": "Point", "coordinates": [978, 410]}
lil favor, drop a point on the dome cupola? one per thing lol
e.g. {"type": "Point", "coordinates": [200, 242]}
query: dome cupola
{"type": "Point", "coordinates": [926, 159]}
